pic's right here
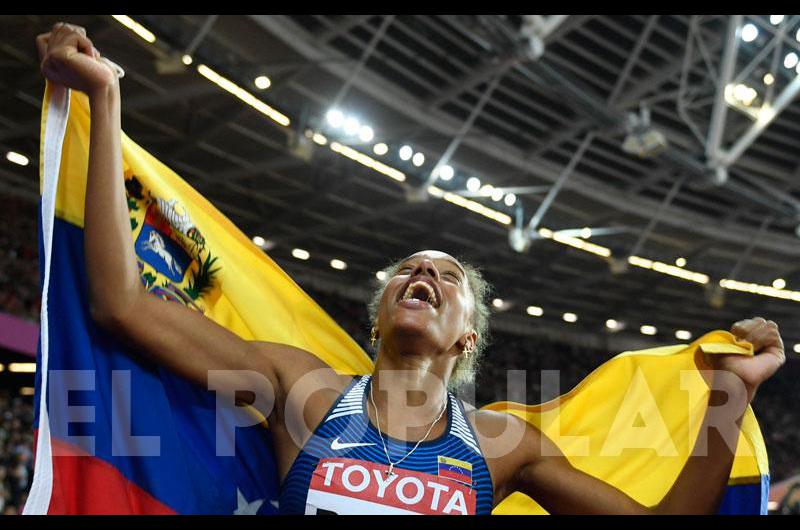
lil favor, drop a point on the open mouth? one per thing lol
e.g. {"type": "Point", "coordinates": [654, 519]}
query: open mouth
{"type": "Point", "coordinates": [421, 291]}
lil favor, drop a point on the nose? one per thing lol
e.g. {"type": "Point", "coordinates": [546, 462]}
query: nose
{"type": "Point", "coordinates": [426, 266]}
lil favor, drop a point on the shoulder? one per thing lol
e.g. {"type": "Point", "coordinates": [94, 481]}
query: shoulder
{"type": "Point", "coordinates": [508, 442]}
{"type": "Point", "coordinates": [502, 427]}
{"type": "Point", "coordinates": [294, 366]}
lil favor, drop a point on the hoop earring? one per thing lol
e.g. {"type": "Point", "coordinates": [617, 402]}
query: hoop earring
{"type": "Point", "coordinates": [373, 336]}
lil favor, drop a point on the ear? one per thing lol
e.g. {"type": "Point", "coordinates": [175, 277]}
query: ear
{"type": "Point", "coordinates": [468, 341]}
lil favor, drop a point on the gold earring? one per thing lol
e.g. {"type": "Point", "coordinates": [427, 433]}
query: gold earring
{"type": "Point", "coordinates": [466, 351]}
{"type": "Point", "coordinates": [373, 336]}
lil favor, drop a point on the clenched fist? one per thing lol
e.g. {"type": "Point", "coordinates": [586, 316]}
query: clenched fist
{"type": "Point", "coordinates": [70, 59]}
{"type": "Point", "coordinates": [769, 353]}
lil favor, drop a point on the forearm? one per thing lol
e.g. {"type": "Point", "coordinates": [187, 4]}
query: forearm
{"type": "Point", "coordinates": [114, 285]}
{"type": "Point", "coordinates": [701, 485]}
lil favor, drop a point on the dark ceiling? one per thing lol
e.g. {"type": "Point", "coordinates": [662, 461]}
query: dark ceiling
{"type": "Point", "coordinates": [418, 86]}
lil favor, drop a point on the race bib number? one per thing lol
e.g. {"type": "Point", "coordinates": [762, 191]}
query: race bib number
{"type": "Point", "coordinates": [345, 486]}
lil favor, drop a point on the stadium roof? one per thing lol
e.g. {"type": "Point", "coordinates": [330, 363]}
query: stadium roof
{"type": "Point", "coordinates": [522, 103]}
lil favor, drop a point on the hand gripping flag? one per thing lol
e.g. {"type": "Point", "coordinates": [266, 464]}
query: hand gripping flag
{"type": "Point", "coordinates": [117, 434]}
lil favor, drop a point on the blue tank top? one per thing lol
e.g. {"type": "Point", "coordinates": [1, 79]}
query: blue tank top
{"type": "Point", "coordinates": [342, 468]}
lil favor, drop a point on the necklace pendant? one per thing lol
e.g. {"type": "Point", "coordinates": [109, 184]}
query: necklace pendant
{"type": "Point", "coordinates": [390, 471]}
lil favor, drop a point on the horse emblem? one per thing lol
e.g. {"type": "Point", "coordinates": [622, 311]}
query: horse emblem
{"type": "Point", "coordinates": [175, 263]}
{"type": "Point", "coordinates": [156, 244]}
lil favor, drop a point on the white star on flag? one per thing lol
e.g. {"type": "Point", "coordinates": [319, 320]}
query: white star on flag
{"type": "Point", "coordinates": [246, 508]}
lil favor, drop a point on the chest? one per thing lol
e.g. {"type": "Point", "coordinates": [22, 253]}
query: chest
{"type": "Point", "coordinates": [355, 486]}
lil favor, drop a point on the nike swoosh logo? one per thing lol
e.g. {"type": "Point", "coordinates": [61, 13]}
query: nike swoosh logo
{"type": "Point", "coordinates": [336, 445]}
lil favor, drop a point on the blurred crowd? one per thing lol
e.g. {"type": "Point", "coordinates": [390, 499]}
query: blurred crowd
{"type": "Point", "coordinates": [19, 264]}
{"type": "Point", "coordinates": [16, 457]}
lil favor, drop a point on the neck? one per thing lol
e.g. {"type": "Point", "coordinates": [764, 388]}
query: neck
{"type": "Point", "coordinates": [409, 391]}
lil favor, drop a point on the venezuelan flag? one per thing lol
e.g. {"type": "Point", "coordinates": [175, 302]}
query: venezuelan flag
{"type": "Point", "coordinates": [117, 434]}
{"type": "Point", "coordinates": [455, 469]}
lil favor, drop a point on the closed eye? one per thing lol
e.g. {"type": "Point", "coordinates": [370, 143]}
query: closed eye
{"type": "Point", "coordinates": [452, 275]}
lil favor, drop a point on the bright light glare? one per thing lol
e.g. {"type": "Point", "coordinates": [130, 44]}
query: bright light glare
{"type": "Point", "coordinates": [365, 133]}
{"type": "Point", "coordinates": [16, 158]}
{"type": "Point", "coordinates": [335, 118]}
{"type": "Point", "coordinates": [380, 149]}
{"type": "Point", "coordinates": [351, 126]}
{"type": "Point", "coordinates": [418, 159]}
{"type": "Point", "coordinates": [535, 311]}
{"type": "Point", "coordinates": [135, 27]}
{"type": "Point", "coordinates": [299, 253]}
{"type": "Point", "coordinates": [749, 33]}
{"type": "Point", "coordinates": [446, 172]}
{"type": "Point", "coordinates": [26, 368]}
{"type": "Point", "coordinates": [406, 152]}
{"type": "Point", "coordinates": [262, 82]}
{"type": "Point", "coordinates": [338, 264]}
{"type": "Point", "coordinates": [648, 330]}
{"type": "Point", "coordinates": [745, 94]}
{"type": "Point", "coordinates": [510, 199]}
{"type": "Point", "coordinates": [231, 87]}
{"type": "Point", "coordinates": [473, 184]}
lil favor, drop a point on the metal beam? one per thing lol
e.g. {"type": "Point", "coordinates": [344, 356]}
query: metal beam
{"type": "Point", "coordinates": [673, 192]}
{"type": "Point", "coordinates": [633, 58]}
{"type": "Point", "coordinates": [387, 93]}
{"type": "Point", "coordinates": [745, 256]}
{"type": "Point", "coordinates": [201, 34]}
{"type": "Point", "coordinates": [717, 125]}
{"type": "Point", "coordinates": [533, 224]}
{"type": "Point", "coordinates": [492, 68]}
{"type": "Point", "coordinates": [342, 28]}
{"type": "Point", "coordinates": [765, 117]}
{"type": "Point", "coordinates": [455, 142]}
{"type": "Point", "coordinates": [365, 55]}
{"type": "Point", "coordinates": [516, 190]}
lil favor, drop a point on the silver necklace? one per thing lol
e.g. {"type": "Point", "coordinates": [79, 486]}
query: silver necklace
{"type": "Point", "coordinates": [390, 471]}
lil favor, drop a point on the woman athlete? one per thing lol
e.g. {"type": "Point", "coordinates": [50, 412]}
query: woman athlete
{"type": "Point", "coordinates": [394, 441]}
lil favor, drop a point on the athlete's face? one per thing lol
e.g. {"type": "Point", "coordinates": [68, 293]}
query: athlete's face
{"type": "Point", "coordinates": [428, 304]}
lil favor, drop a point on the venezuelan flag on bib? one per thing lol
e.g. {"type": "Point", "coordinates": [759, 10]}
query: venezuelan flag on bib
{"type": "Point", "coordinates": [117, 434]}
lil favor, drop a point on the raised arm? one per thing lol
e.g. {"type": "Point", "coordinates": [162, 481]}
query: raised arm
{"type": "Point", "coordinates": [699, 489]}
{"type": "Point", "coordinates": [177, 337]}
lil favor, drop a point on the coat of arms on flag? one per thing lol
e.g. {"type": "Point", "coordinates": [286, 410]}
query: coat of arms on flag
{"type": "Point", "coordinates": [174, 261]}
